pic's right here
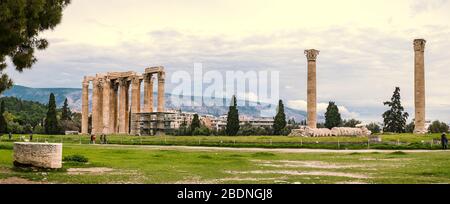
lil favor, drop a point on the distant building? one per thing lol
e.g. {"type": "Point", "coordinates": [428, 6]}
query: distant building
{"type": "Point", "coordinates": [174, 119]}
{"type": "Point", "coordinates": [260, 122]}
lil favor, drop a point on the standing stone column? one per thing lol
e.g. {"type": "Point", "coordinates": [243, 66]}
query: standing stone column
{"type": "Point", "coordinates": [97, 106]}
{"type": "Point", "coordinates": [85, 107]}
{"type": "Point", "coordinates": [311, 55]}
{"type": "Point", "coordinates": [127, 107]}
{"type": "Point", "coordinates": [161, 91]}
{"type": "Point", "coordinates": [160, 125]}
{"type": "Point", "coordinates": [113, 108]}
{"type": "Point", "coordinates": [105, 105]}
{"type": "Point", "coordinates": [135, 103]}
{"type": "Point", "coordinates": [148, 93]}
{"type": "Point", "coordinates": [419, 86]}
{"type": "Point", "coordinates": [123, 105]}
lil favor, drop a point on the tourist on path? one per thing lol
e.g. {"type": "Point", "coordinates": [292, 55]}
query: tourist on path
{"type": "Point", "coordinates": [444, 141]}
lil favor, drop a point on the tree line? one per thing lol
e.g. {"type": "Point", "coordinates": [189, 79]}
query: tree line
{"type": "Point", "coordinates": [22, 117]}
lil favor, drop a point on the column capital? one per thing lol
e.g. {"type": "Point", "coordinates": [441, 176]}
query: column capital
{"type": "Point", "coordinates": [161, 77]}
{"type": "Point", "coordinates": [311, 54]}
{"type": "Point", "coordinates": [148, 77]}
{"type": "Point", "coordinates": [419, 45]}
{"type": "Point", "coordinates": [123, 81]}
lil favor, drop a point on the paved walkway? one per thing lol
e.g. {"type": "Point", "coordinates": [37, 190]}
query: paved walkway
{"type": "Point", "coordinates": [279, 150]}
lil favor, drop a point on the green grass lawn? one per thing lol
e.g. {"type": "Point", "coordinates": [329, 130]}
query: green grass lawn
{"type": "Point", "coordinates": [394, 141]}
{"type": "Point", "coordinates": [146, 164]}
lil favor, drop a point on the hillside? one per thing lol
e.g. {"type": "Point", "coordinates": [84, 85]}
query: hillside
{"type": "Point", "coordinates": [25, 112]}
{"type": "Point", "coordinates": [74, 98]}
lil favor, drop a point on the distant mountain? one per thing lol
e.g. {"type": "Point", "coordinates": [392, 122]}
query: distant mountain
{"type": "Point", "coordinates": [73, 96]}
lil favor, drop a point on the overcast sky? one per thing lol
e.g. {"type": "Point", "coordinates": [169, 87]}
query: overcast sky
{"type": "Point", "coordinates": [366, 46]}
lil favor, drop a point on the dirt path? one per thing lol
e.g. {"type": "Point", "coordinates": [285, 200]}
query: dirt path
{"type": "Point", "coordinates": [197, 148]}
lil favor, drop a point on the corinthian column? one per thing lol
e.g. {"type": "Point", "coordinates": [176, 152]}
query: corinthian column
{"type": "Point", "coordinates": [161, 92]}
{"type": "Point", "coordinates": [113, 108]}
{"type": "Point", "coordinates": [311, 55]}
{"type": "Point", "coordinates": [123, 105]}
{"type": "Point", "coordinates": [135, 103]}
{"type": "Point", "coordinates": [106, 106]}
{"type": "Point", "coordinates": [85, 107]}
{"type": "Point", "coordinates": [419, 86]}
{"type": "Point", "coordinates": [148, 93]}
{"type": "Point", "coordinates": [97, 122]}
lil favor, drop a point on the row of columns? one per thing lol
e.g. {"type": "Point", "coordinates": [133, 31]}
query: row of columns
{"type": "Point", "coordinates": [111, 106]}
{"type": "Point", "coordinates": [419, 87]}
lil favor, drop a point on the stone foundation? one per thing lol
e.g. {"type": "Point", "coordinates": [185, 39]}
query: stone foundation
{"type": "Point", "coordinates": [325, 132]}
{"type": "Point", "coordinates": [42, 155]}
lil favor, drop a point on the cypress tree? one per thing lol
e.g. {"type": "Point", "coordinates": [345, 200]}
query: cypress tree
{"type": "Point", "coordinates": [233, 118]}
{"type": "Point", "coordinates": [66, 113]}
{"type": "Point", "coordinates": [195, 123]}
{"type": "Point", "coordinates": [280, 119]}
{"type": "Point", "coordinates": [51, 121]}
{"type": "Point", "coordinates": [332, 116]}
{"type": "Point", "coordinates": [395, 118]}
{"type": "Point", "coordinates": [3, 123]}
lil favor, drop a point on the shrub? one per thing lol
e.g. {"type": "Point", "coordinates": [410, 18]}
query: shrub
{"type": "Point", "coordinates": [76, 158]}
{"type": "Point", "coordinates": [438, 127]}
{"type": "Point", "coordinates": [375, 128]}
{"type": "Point", "coordinates": [410, 127]}
{"type": "Point", "coordinates": [202, 131]}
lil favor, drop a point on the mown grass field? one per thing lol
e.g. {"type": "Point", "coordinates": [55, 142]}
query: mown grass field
{"type": "Point", "coordinates": [393, 141]}
{"type": "Point", "coordinates": [147, 164]}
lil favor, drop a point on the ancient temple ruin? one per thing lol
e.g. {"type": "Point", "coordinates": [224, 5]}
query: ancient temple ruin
{"type": "Point", "coordinates": [112, 110]}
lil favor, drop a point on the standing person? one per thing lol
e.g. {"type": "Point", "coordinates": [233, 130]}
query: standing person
{"type": "Point", "coordinates": [31, 136]}
{"type": "Point", "coordinates": [105, 140]}
{"type": "Point", "coordinates": [101, 139]}
{"type": "Point", "coordinates": [444, 141]}
{"type": "Point", "coordinates": [93, 139]}
{"type": "Point", "coordinates": [10, 136]}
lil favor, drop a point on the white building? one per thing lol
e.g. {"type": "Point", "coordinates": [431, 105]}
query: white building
{"type": "Point", "coordinates": [261, 122]}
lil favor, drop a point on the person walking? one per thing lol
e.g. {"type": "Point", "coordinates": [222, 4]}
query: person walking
{"type": "Point", "coordinates": [444, 141]}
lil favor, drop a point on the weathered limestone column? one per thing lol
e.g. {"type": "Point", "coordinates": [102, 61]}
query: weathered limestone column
{"type": "Point", "coordinates": [135, 103]}
{"type": "Point", "coordinates": [148, 93]}
{"type": "Point", "coordinates": [161, 91]}
{"type": "Point", "coordinates": [95, 105]}
{"type": "Point", "coordinates": [106, 106]}
{"type": "Point", "coordinates": [419, 86]}
{"type": "Point", "coordinates": [113, 108]}
{"type": "Point", "coordinates": [85, 107]}
{"type": "Point", "coordinates": [123, 105]}
{"type": "Point", "coordinates": [127, 105]}
{"type": "Point", "coordinates": [99, 107]}
{"type": "Point", "coordinates": [311, 55]}
{"type": "Point", "coordinates": [160, 125]}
